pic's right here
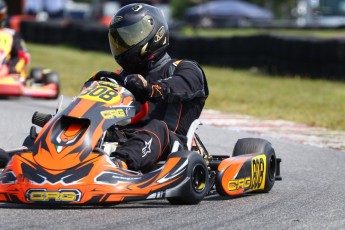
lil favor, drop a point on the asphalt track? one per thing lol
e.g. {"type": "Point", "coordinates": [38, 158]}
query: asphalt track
{"type": "Point", "coordinates": [310, 196]}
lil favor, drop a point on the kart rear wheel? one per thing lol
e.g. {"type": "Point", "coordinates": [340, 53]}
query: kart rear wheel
{"type": "Point", "coordinates": [45, 76]}
{"type": "Point", "coordinates": [196, 188]}
{"type": "Point", "coordinates": [257, 145]}
{"type": "Point", "coordinates": [52, 77]}
{"type": "Point", "coordinates": [36, 74]}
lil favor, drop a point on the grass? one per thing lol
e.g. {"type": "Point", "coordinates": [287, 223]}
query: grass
{"type": "Point", "coordinates": [73, 65]}
{"type": "Point", "coordinates": [313, 102]}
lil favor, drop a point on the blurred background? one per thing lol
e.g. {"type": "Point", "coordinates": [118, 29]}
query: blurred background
{"type": "Point", "coordinates": [279, 59]}
{"type": "Point", "coordinates": [199, 13]}
{"type": "Point", "coordinates": [285, 37]}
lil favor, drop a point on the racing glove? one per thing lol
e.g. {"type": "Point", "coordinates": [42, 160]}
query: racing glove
{"type": "Point", "coordinates": [142, 90]}
{"type": "Point", "coordinates": [139, 87]}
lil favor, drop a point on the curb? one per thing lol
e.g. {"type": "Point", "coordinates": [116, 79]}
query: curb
{"type": "Point", "coordinates": [292, 131]}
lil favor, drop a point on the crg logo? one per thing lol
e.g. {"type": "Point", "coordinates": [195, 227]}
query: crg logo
{"type": "Point", "coordinates": [62, 195]}
{"type": "Point", "coordinates": [257, 179]}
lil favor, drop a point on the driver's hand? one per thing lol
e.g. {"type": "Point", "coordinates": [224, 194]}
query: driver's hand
{"type": "Point", "coordinates": [138, 85]}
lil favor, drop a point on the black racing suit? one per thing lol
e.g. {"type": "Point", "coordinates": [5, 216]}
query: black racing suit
{"type": "Point", "coordinates": [180, 93]}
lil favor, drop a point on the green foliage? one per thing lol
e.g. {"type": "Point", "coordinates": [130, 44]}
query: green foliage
{"type": "Point", "coordinates": [179, 7]}
{"type": "Point", "coordinates": [281, 8]}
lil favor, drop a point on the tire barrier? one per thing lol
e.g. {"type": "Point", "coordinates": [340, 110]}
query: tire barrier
{"type": "Point", "coordinates": [277, 55]}
{"type": "Point", "coordinates": [52, 32]}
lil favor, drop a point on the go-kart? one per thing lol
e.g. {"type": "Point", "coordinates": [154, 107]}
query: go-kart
{"type": "Point", "coordinates": [40, 83]}
{"type": "Point", "coordinates": [68, 161]}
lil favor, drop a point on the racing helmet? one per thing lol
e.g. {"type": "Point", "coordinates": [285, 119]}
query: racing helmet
{"type": "Point", "coordinates": [138, 34]}
{"type": "Point", "coordinates": [3, 13]}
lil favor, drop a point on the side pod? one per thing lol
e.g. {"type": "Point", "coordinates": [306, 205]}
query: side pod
{"type": "Point", "coordinates": [247, 173]}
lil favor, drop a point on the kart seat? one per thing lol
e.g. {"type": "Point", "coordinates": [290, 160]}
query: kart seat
{"type": "Point", "coordinates": [190, 135]}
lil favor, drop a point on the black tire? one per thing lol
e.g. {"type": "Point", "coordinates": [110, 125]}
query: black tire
{"type": "Point", "coordinates": [40, 119]}
{"type": "Point", "coordinates": [257, 145]}
{"type": "Point", "coordinates": [36, 74]}
{"type": "Point", "coordinates": [4, 158]}
{"type": "Point", "coordinates": [52, 77]}
{"type": "Point", "coordinates": [196, 188]}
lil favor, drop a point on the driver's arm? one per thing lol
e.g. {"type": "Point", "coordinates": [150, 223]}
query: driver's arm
{"type": "Point", "coordinates": [186, 83]}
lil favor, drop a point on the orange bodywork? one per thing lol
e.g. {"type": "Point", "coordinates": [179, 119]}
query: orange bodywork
{"type": "Point", "coordinates": [242, 174]}
{"type": "Point", "coordinates": [63, 167]}
{"type": "Point", "coordinates": [100, 182]}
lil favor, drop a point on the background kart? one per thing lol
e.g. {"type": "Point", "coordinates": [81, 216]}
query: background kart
{"type": "Point", "coordinates": [41, 82]}
{"type": "Point", "coordinates": [68, 163]}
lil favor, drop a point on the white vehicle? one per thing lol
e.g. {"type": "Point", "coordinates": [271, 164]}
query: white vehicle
{"type": "Point", "coordinates": [322, 13]}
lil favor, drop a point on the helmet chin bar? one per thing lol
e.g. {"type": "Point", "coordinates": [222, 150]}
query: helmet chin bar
{"type": "Point", "coordinates": [133, 62]}
{"type": "Point", "coordinates": [138, 67]}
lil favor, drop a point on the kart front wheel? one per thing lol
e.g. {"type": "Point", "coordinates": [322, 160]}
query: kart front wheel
{"type": "Point", "coordinates": [197, 185]}
{"type": "Point", "coordinates": [257, 145]}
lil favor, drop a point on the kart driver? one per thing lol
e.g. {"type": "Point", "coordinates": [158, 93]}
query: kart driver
{"type": "Point", "coordinates": [176, 90]}
{"type": "Point", "coordinates": [16, 56]}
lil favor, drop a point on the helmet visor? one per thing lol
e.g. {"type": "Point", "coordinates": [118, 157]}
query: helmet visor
{"type": "Point", "coordinates": [123, 38]}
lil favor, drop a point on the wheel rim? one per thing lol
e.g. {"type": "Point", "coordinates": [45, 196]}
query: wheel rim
{"type": "Point", "coordinates": [199, 178]}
